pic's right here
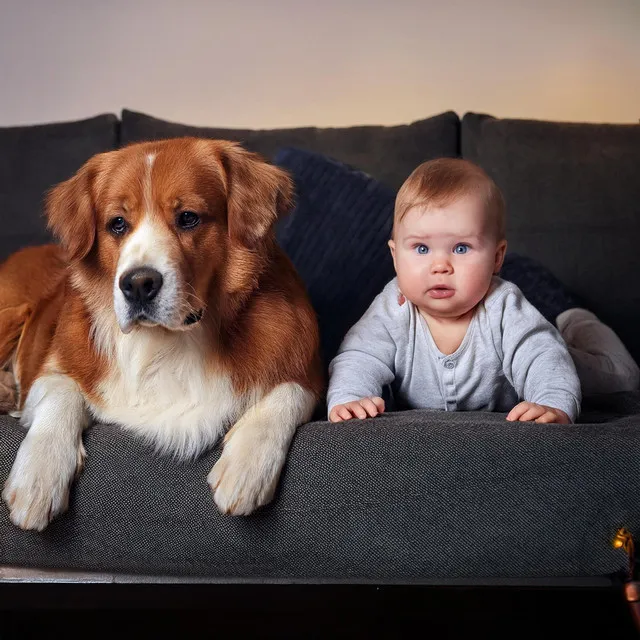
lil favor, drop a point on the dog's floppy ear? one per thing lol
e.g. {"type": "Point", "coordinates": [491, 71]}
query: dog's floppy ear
{"type": "Point", "coordinates": [70, 210]}
{"type": "Point", "coordinates": [257, 194]}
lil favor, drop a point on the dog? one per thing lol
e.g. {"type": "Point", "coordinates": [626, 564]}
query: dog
{"type": "Point", "coordinates": [165, 307]}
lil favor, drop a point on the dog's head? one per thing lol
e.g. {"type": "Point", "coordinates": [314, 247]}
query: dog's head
{"type": "Point", "coordinates": [159, 227]}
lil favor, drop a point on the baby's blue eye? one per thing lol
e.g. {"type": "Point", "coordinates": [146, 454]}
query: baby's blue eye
{"type": "Point", "coordinates": [460, 248]}
{"type": "Point", "coordinates": [422, 249]}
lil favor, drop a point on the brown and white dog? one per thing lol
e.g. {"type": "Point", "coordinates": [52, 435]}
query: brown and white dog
{"type": "Point", "coordinates": [169, 309]}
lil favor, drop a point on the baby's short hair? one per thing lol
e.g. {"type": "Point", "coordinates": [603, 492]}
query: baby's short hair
{"type": "Point", "coordinates": [442, 181]}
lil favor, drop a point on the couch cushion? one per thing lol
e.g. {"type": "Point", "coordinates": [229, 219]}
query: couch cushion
{"type": "Point", "coordinates": [387, 153]}
{"type": "Point", "coordinates": [35, 158]}
{"type": "Point", "coordinates": [411, 496]}
{"type": "Point", "coordinates": [573, 201]}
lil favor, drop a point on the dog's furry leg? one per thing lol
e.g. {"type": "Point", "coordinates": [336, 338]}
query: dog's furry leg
{"type": "Point", "coordinates": [12, 321]}
{"type": "Point", "coordinates": [37, 488]}
{"type": "Point", "coordinates": [246, 475]}
{"type": "Point", "coordinates": [8, 394]}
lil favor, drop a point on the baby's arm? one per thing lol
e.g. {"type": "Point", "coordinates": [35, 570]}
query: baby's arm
{"type": "Point", "coordinates": [363, 366]}
{"type": "Point", "coordinates": [538, 364]}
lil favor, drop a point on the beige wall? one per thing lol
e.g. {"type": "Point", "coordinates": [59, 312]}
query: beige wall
{"type": "Point", "coordinates": [269, 63]}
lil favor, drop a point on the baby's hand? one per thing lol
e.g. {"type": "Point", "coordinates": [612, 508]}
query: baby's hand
{"type": "Point", "coordinates": [537, 413]}
{"type": "Point", "coordinates": [366, 407]}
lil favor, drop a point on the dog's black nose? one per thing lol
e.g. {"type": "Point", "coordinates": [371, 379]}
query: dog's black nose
{"type": "Point", "coordinates": [141, 285]}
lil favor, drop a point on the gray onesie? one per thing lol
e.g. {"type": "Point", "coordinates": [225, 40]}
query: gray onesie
{"type": "Point", "coordinates": [510, 353]}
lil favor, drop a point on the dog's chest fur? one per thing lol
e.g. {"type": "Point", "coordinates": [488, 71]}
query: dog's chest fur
{"type": "Point", "coordinates": [159, 385]}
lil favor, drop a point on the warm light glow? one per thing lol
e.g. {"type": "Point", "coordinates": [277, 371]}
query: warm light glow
{"type": "Point", "coordinates": [623, 540]}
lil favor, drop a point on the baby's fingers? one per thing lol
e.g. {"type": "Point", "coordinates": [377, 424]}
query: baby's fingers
{"type": "Point", "coordinates": [339, 413]}
{"type": "Point", "coordinates": [547, 417]}
{"type": "Point", "coordinates": [518, 410]}
{"type": "Point", "coordinates": [370, 407]}
{"type": "Point", "coordinates": [367, 407]}
{"type": "Point", "coordinates": [534, 411]}
{"type": "Point", "coordinates": [379, 402]}
{"type": "Point", "coordinates": [356, 409]}
{"type": "Point", "coordinates": [557, 416]}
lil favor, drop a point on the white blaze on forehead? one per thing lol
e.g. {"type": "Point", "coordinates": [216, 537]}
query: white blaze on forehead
{"type": "Point", "coordinates": [147, 246]}
{"type": "Point", "coordinates": [150, 243]}
{"type": "Point", "coordinates": [148, 192]}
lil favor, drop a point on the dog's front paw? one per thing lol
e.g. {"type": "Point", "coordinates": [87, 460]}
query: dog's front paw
{"type": "Point", "coordinates": [243, 480]}
{"type": "Point", "coordinates": [37, 488]}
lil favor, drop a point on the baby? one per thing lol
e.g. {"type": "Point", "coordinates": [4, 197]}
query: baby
{"type": "Point", "coordinates": [447, 333]}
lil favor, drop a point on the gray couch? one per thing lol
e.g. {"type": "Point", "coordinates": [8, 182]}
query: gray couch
{"type": "Point", "coordinates": [412, 496]}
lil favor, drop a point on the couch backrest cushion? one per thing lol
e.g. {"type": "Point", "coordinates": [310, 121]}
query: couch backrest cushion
{"type": "Point", "coordinates": [35, 158]}
{"type": "Point", "coordinates": [573, 201]}
{"type": "Point", "coordinates": [387, 153]}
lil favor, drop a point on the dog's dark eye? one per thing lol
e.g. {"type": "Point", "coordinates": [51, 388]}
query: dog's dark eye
{"type": "Point", "coordinates": [118, 225]}
{"type": "Point", "coordinates": [188, 220]}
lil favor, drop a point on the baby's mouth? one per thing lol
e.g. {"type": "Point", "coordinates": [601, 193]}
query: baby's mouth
{"type": "Point", "coordinates": [440, 291]}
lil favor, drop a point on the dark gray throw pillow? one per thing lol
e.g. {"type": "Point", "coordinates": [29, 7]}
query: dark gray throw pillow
{"type": "Point", "coordinates": [337, 239]}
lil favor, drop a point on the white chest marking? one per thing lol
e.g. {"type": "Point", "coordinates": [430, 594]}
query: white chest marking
{"type": "Point", "coordinates": [160, 387]}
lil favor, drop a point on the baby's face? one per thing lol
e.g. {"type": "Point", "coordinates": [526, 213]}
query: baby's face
{"type": "Point", "coordinates": [445, 257]}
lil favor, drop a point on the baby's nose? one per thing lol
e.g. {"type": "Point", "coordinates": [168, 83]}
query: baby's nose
{"type": "Point", "coordinates": [441, 266]}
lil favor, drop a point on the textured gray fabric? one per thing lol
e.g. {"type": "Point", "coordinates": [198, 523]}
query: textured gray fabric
{"type": "Point", "coordinates": [33, 159]}
{"type": "Point", "coordinates": [389, 154]}
{"type": "Point", "coordinates": [509, 353]}
{"type": "Point", "coordinates": [573, 194]}
{"type": "Point", "coordinates": [411, 495]}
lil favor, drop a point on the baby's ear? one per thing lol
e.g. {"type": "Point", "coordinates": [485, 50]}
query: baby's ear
{"type": "Point", "coordinates": [392, 247]}
{"type": "Point", "coordinates": [501, 250]}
